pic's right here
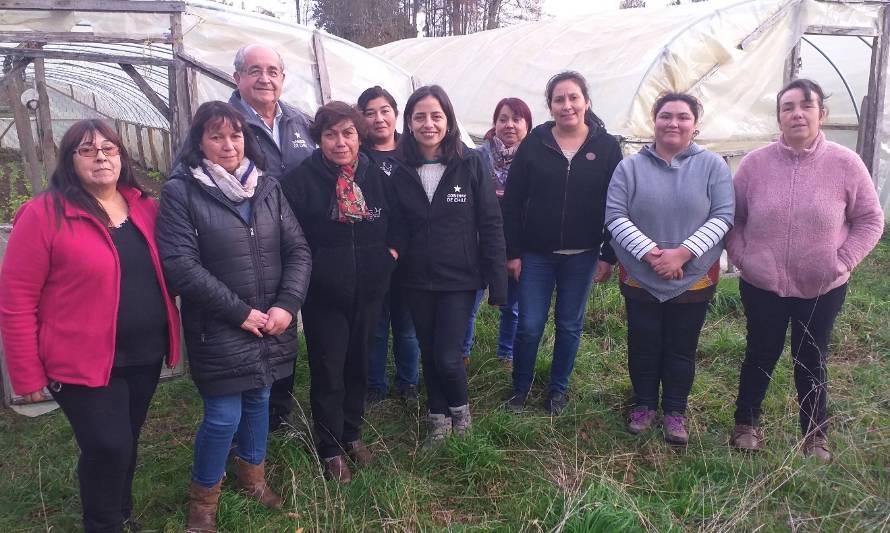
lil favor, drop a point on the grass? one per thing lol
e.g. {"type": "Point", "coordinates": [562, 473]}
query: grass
{"type": "Point", "coordinates": [580, 472]}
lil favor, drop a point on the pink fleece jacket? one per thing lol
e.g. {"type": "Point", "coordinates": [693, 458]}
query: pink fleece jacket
{"type": "Point", "coordinates": [802, 221]}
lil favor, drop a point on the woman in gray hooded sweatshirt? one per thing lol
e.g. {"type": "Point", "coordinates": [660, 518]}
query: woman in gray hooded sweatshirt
{"type": "Point", "coordinates": [668, 208]}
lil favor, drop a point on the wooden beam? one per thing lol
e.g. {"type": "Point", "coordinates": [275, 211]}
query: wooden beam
{"type": "Point", "coordinates": [84, 56]}
{"type": "Point", "coordinates": [119, 6]}
{"type": "Point", "coordinates": [152, 149]}
{"type": "Point", "coordinates": [18, 67]}
{"type": "Point", "coordinates": [26, 136]}
{"type": "Point", "coordinates": [146, 89]}
{"type": "Point", "coordinates": [841, 30]}
{"type": "Point", "coordinates": [44, 119]}
{"type": "Point", "coordinates": [792, 64]}
{"type": "Point", "coordinates": [6, 129]}
{"type": "Point", "coordinates": [139, 149]}
{"type": "Point", "coordinates": [877, 87]}
{"type": "Point", "coordinates": [180, 105]}
{"type": "Point", "coordinates": [43, 37]}
{"type": "Point", "coordinates": [324, 79]}
{"type": "Point", "coordinates": [210, 71]}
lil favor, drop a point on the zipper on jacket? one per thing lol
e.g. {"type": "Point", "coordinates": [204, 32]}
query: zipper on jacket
{"type": "Point", "coordinates": [565, 199]}
{"type": "Point", "coordinates": [794, 175]}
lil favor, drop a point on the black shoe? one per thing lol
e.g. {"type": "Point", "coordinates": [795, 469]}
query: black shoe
{"type": "Point", "coordinates": [374, 397]}
{"type": "Point", "coordinates": [516, 402]}
{"type": "Point", "coordinates": [556, 402]}
{"type": "Point", "coordinates": [408, 393]}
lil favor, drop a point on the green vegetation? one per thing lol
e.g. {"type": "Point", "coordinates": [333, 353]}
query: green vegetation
{"type": "Point", "coordinates": [580, 472]}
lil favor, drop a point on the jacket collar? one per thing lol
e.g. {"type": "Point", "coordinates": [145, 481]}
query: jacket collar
{"type": "Point", "coordinates": [330, 171]}
{"type": "Point", "coordinates": [678, 161]}
{"type": "Point", "coordinates": [544, 132]}
{"type": "Point", "coordinates": [815, 149]}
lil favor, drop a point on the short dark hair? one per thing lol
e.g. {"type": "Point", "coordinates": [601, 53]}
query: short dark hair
{"type": "Point", "coordinates": [451, 146]}
{"type": "Point", "coordinates": [65, 184]}
{"type": "Point", "coordinates": [675, 96]}
{"type": "Point", "coordinates": [518, 106]}
{"type": "Point", "coordinates": [374, 92]}
{"type": "Point", "coordinates": [333, 113]}
{"type": "Point", "coordinates": [216, 113]}
{"type": "Point", "coordinates": [578, 78]}
{"type": "Point", "coordinates": [809, 87]}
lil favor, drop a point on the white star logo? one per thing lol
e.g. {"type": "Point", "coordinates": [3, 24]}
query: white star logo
{"type": "Point", "coordinates": [457, 188]}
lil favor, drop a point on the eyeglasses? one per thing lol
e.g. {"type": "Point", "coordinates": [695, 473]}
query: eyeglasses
{"type": "Point", "coordinates": [271, 73]}
{"type": "Point", "coordinates": [91, 151]}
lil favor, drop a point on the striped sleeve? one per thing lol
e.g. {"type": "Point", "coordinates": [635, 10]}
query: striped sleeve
{"type": "Point", "coordinates": [706, 237]}
{"type": "Point", "coordinates": [629, 237]}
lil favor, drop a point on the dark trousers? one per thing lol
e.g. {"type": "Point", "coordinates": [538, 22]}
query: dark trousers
{"type": "Point", "coordinates": [281, 399]}
{"type": "Point", "coordinates": [338, 342]}
{"type": "Point", "coordinates": [661, 342]}
{"type": "Point", "coordinates": [106, 423]}
{"type": "Point", "coordinates": [812, 320]}
{"type": "Point", "coordinates": [440, 319]}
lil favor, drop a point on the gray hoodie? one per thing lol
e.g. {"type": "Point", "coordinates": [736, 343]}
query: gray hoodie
{"type": "Point", "coordinates": [672, 205]}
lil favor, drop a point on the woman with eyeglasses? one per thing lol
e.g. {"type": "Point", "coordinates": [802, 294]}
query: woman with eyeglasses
{"type": "Point", "coordinates": [85, 312]}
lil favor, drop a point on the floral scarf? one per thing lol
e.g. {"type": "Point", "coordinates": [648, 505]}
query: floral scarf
{"type": "Point", "coordinates": [351, 206]}
{"type": "Point", "coordinates": [237, 187]}
{"type": "Point", "coordinates": [501, 158]}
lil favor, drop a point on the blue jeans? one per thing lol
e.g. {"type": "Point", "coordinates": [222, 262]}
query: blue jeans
{"type": "Point", "coordinates": [246, 413]}
{"type": "Point", "coordinates": [405, 349]}
{"type": "Point", "coordinates": [507, 328]}
{"type": "Point", "coordinates": [572, 276]}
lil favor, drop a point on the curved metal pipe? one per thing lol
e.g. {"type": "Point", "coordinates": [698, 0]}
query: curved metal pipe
{"type": "Point", "coordinates": [840, 75]}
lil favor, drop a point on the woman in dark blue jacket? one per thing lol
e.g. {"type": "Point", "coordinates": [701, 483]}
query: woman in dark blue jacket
{"type": "Point", "coordinates": [345, 206]}
{"type": "Point", "coordinates": [554, 206]}
{"type": "Point", "coordinates": [455, 247]}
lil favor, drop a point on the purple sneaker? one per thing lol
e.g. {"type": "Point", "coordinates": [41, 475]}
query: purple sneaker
{"type": "Point", "coordinates": [640, 420]}
{"type": "Point", "coordinates": [675, 429]}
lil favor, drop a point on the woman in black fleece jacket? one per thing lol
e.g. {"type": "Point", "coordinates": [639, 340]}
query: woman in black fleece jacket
{"type": "Point", "coordinates": [554, 206]}
{"type": "Point", "coordinates": [346, 209]}
{"type": "Point", "coordinates": [455, 247]}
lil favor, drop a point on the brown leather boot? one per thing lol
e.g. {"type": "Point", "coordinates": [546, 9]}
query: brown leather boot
{"type": "Point", "coordinates": [336, 469]}
{"type": "Point", "coordinates": [817, 446]}
{"type": "Point", "coordinates": [359, 453]}
{"type": "Point", "coordinates": [747, 438]}
{"type": "Point", "coordinates": [252, 482]}
{"type": "Point", "coordinates": [203, 503]}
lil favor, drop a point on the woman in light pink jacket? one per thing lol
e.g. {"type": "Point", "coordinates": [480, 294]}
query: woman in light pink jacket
{"type": "Point", "coordinates": [806, 214]}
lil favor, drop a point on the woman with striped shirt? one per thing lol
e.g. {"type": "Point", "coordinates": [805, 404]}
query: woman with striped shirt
{"type": "Point", "coordinates": [668, 208]}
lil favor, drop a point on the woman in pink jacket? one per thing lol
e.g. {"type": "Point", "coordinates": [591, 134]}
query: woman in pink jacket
{"type": "Point", "coordinates": [806, 214]}
{"type": "Point", "coordinates": [85, 312]}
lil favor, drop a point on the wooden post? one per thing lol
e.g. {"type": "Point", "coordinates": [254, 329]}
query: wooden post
{"type": "Point", "coordinates": [180, 104]}
{"type": "Point", "coordinates": [168, 162]}
{"type": "Point", "coordinates": [152, 149]}
{"type": "Point", "coordinates": [792, 64]}
{"type": "Point", "coordinates": [15, 87]}
{"type": "Point", "coordinates": [877, 88]}
{"type": "Point", "coordinates": [139, 149]}
{"type": "Point", "coordinates": [44, 119]}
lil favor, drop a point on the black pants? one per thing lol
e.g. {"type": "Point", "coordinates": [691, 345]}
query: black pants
{"type": "Point", "coordinates": [811, 323]}
{"type": "Point", "coordinates": [440, 320]}
{"type": "Point", "coordinates": [661, 342]}
{"type": "Point", "coordinates": [338, 343]}
{"type": "Point", "coordinates": [106, 423]}
{"type": "Point", "coordinates": [281, 399]}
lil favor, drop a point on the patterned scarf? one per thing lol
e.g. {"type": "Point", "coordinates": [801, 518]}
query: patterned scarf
{"type": "Point", "coordinates": [351, 207]}
{"type": "Point", "coordinates": [237, 187]}
{"type": "Point", "coordinates": [501, 158]}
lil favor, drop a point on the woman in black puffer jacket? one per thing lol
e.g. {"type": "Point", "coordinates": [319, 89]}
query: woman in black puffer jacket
{"type": "Point", "coordinates": [233, 250]}
{"type": "Point", "coordinates": [347, 209]}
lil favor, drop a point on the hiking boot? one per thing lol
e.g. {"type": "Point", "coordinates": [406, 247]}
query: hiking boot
{"type": "Point", "coordinates": [556, 402]}
{"type": "Point", "coordinates": [439, 428]}
{"type": "Point", "coordinates": [408, 393]}
{"type": "Point", "coordinates": [252, 482]}
{"type": "Point", "coordinates": [507, 362]}
{"type": "Point", "coordinates": [816, 446]}
{"type": "Point", "coordinates": [640, 420]}
{"type": "Point", "coordinates": [359, 453]}
{"type": "Point", "coordinates": [460, 420]}
{"type": "Point", "coordinates": [747, 438]}
{"type": "Point", "coordinates": [374, 397]}
{"type": "Point", "coordinates": [336, 469]}
{"type": "Point", "coordinates": [203, 503]}
{"type": "Point", "coordinates": [675, 429]}
{"type": "Point", "coordinates": [516, 402]}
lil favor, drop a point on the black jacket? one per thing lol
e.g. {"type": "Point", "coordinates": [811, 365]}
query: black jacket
{"type": "Point", "coordinates": [551, 203]}
{"type": "Point", "coordinates": [296, 143]}
{"type": "Point", "coordinates": [222, 268]}
{"type": "Point", "coordinates": [351, 263]}
{"type": "Point", "coordinates": [456, 242]}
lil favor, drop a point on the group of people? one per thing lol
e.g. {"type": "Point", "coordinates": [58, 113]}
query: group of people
{"type": "Point", "coordinates": [268, 213]}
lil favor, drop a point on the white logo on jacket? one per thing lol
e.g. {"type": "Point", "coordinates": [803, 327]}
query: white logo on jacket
{"type": "Point", "coordinates": [456, 197]}
{"type": "Point", "coordinates": [299, 141]}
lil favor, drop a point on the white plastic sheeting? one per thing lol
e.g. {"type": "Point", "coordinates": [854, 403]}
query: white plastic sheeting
{"type": "Point", "coordinates": [211, 33]}
{"type": "Point", "coordinates": [630, 56]}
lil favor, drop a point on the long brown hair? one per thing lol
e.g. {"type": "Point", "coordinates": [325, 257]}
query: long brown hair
{"type": "Point", "coordinates": [66, 185]}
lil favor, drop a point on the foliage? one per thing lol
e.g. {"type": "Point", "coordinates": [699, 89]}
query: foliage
{"type": "Point", "coordinates": [579, 472]}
